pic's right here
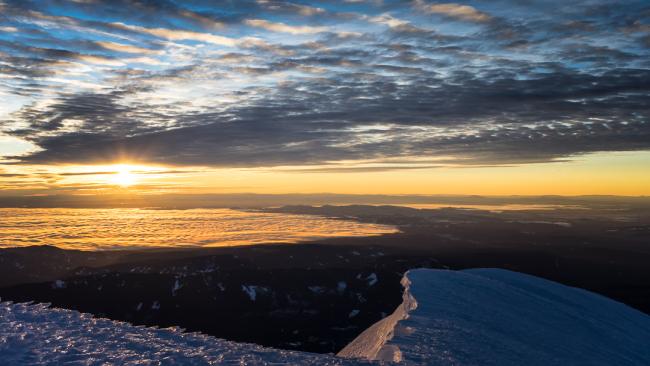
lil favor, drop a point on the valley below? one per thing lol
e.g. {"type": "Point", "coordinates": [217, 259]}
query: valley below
{"type": "Point", "coordinates": [319, 295]}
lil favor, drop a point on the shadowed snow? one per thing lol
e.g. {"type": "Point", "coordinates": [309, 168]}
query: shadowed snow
{"type": "Point", "coordinates": [471, 317]}
{"type": "Point", "coordinates": [498, 317]}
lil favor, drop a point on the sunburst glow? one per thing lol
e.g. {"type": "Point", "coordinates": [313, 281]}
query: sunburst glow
{"type": "Point", "coordinates": [124, 176]}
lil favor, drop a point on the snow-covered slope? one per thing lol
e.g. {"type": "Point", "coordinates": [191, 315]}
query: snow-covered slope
{"type": "Point", "coordinates": [473, 317]}
{"type": "Point", "coordinates": [38, 335]}
{"type": "Point", "coordinates": [498, 317]}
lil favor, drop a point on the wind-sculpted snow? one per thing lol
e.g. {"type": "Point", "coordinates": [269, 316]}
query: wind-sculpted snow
{"type": "Point", "coordinates": [498, 317]}
{"type": "Point", "coordinates": [472, 317]}
{"type": "Point", "coordinates": [38, 335]}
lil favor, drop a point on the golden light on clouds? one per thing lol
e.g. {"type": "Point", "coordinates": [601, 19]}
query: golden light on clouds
{"type": "Point", "coordinates": [623, 173]}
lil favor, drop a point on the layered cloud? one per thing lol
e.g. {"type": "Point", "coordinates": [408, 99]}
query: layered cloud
{"type": "Point", "coordinates": [275, 83]}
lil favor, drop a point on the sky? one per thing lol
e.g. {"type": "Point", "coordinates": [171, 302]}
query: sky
{"type": "Point", "coordinates": [380, 97]}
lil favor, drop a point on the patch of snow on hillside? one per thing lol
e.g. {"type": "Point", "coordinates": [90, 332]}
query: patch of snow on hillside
{"type": "Point", "coordinates": [251, 291]}
{"type": "Point", "coordinates": [498, 317]}
{"type": "Point", "coordinates": [354, 313]}
{"type": "Point", "coordinates": [42, 336]}
{"type": "Point", "coordinates": [372, 279]}
{"type": "Point", "coordinates": [177, 286]}
{"type": "Point", "coordinates": [341, 286]}
{"type": "Point", "coordinates": [316, 289]}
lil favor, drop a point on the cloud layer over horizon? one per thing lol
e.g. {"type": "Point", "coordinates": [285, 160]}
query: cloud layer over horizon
{"type": "Point", "coordinates": [275, 83]}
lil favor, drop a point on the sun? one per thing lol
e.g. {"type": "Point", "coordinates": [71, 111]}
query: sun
{"type": "Point", "coordinates": [124, 177]}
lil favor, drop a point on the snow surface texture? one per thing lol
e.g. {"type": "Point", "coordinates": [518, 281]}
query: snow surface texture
{"type": "Point", "coordinates": [38, 335]}
{"type": "Point", "coordinates": [472, 317]}
{"type": "Point", "coordinates": [499, 317]}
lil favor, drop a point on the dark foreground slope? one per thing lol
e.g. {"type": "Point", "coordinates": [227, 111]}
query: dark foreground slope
{"type": "Point", "coordinates": [310, 297]}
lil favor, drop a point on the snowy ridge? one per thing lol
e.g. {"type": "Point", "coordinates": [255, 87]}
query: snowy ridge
{"type": "Point", "coordinates": [373, 343]}
{"type": "Point", "coordinates": [39, 335]}
{"type": "Point", "coordinates": [499, 317]}
{"type": "Point", "coordinates": [472, 317]}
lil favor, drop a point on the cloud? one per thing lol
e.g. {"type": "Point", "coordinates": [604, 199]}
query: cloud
{"type": "Point", "coordinates": [284, 28]}
{"type": "Point", "coordinates": [93, 59]}
{"type": "Point", "coordinates": [564, 80]}
{"type": "Point", "coordinates": [361, 169]}
{"type": "Point", "coordinates": [179, 35]}
{"type": "Point", "coordinates": [145, 172]}
{"type": "Point", "coordinates": [282, 6]}
{"type": "Point", "coordinates": [119, 47]}
{"type": "Point", "coordinates": [205, 21]}
{"type": "Point", "coordinates": [456, 11]}
{"type": "Point", "coordinates": [387, 20]}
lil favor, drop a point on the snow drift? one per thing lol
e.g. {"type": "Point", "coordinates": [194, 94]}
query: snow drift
{"type": "Point", "coordinates": [472, 317]}
{"type": "Point", "coordinates": [38, 335]}
{"type": "Point", "coordinates": [499, 317]}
